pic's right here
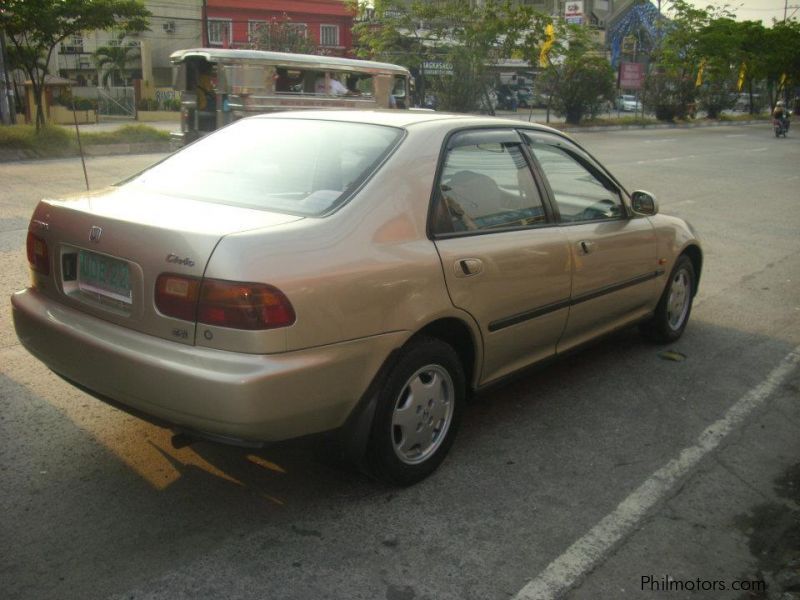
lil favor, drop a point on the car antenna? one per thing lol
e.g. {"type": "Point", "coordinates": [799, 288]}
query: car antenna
{"type": "Point", "coordinates": [80, 146]}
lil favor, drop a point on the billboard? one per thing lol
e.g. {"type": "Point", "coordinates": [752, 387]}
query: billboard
{"type": "Point", "coordinates": [573, 12]}
{"type": "Point", "coordinates": [631, 76]}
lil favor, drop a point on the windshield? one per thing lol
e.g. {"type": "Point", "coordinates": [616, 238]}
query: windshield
{"type": "Point", "coordinates": [303, 167]}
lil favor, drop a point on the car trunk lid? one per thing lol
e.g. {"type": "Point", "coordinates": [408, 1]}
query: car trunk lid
{"type": "Point", "coordinates": [108, 248]}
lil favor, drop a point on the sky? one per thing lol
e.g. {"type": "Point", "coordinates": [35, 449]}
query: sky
{"type": "Point", "coordinates": [755, 10]}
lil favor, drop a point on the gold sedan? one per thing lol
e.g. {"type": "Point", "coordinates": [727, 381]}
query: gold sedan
{"type": "Point", "coordinates": [346, 272]}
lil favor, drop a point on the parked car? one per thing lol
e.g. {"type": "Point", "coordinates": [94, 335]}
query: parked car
{"type": "Point", "coordinates": [628, 103]}
{"type": "Point", "coordinates": [349, 272]}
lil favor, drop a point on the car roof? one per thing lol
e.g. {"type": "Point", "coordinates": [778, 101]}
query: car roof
{"type": "Point", "coordinates": [405, 118]}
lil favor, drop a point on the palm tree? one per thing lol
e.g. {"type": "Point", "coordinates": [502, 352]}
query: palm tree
{"type": "Point", "coordinates": [113, 61]}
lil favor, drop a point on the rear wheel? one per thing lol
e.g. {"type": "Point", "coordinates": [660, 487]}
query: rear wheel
{"type": "Point", "coordinates": [675, 306]}
{"type": "Point", "coordinates": [417, 413]}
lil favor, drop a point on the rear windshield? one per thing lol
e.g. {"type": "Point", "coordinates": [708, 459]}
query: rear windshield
{"type": "Point", "coordinates": [303, 167]}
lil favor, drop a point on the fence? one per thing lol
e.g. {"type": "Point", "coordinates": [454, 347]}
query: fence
{"type": "Point", "coordinates": [117, 101]}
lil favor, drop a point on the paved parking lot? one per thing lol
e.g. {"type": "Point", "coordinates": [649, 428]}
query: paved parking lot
{"type": "Point", "coordinates": [577, 480]}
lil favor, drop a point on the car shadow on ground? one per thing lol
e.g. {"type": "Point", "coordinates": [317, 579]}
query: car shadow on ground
{"type": "Point", "coordinates": [112, 485]}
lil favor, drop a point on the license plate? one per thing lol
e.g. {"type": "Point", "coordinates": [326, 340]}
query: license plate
{"type": "Point", "coordinates": [109, 277]}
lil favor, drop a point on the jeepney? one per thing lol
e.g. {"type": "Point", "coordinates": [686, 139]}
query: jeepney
{"type": "Point", "coordinates": [219, 86]}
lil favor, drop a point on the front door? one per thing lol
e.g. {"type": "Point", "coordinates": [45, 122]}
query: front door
{"type": "Point", "coordinates": [504, 259]}
{"type": "Point", "coordinates": [613, 253]}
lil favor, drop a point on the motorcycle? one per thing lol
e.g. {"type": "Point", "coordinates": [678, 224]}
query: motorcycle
{"type": "Point", "coordinates": [781, 127]}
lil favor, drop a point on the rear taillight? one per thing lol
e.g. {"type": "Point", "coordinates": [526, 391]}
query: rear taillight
{"type": "Point", "coordinates": [176, 296]}
{"type": "Point", "coordinates": [223, 303]}
{"type": "Point", "coordinates": [243, 305]}
{"type": "Point", "coordinates": [38, 256]}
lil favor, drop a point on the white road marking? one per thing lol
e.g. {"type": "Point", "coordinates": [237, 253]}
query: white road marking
{"type": "Point", "coordinates": [736, 135]}
{"type": "Point", "coordinates": [758, 150]}
{"type": "Point", "coordinates": [589, 551]}
{"type": "Point", "coordinates": [660, 141]}
{"type": "Point", "coordinates": [657, 160]}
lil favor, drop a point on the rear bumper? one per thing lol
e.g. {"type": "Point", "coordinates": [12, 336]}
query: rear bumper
{"type": "Point", "coordinates": [226, 394]}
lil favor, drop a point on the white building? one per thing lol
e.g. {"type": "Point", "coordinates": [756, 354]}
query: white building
{"type": "Point", "coordinates": [175, 24]}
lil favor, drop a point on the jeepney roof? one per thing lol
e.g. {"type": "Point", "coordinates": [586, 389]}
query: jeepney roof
{"type": "Point", "coordinates": [285, 58]}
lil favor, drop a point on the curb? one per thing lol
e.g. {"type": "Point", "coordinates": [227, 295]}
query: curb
{"type": "Point", "coordinates": [10, 155]}
{"type": "Point", "coordinates": [591, 129]}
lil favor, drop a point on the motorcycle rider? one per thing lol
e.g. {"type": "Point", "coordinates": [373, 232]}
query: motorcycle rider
{"type": "Point", "coordinates": [781, 114]}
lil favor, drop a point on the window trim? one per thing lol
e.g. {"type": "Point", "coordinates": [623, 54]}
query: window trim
{"type": "Point", "coordinates": [585, 160]}
{"type": "Point", "coordinates": [221, 42]}
{"type": "Point", "coordinates": [338, 35]}
{"type": "Point", "coordinates": [495, 134]}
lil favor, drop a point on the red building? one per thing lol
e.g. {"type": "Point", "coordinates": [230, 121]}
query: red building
{"type": "Point", "coordinates": [328, 23]}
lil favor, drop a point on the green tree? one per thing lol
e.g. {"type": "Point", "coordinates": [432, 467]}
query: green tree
{"type": "Point", "coordinates": [751, 58]}
{"type": "Point", "coordinates": [719, 45]}
{"type": "Point", "coordinates": [671, 88]}
{"type": "Point", "coordinates": [782, 64]}
{"type": "Point", "coordinates": [578, 78]}
{"type": "Point", "coordinates": [279, 34]}
{"type": "Point", "coordinates": [40, 25]}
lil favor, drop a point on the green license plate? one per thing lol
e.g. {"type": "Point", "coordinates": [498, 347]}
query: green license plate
{"type": "Point", "coordinates": [109, 277]}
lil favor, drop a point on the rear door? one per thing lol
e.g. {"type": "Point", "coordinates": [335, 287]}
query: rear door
{"type": "Point", "coordinates": [504, 260]}
{"type": "Point", "coordinates": [613, 252]}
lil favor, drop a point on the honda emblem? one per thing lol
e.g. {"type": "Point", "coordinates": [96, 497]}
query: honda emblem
{"type": "Point", "coordinates": [94, 234]}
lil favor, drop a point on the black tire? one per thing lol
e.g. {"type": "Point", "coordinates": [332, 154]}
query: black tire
{"type": "Point", "coordinates": [393, 455]}
{"type": "Point", "coordinates": [671, 316]}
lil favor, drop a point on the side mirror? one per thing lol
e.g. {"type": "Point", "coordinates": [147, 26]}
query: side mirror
{"type": "Point", "coordinates": [644, 203]}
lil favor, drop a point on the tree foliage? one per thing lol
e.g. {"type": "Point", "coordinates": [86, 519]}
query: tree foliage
{"type": "Point", "coordinates": [279, 34]}
{"type": "Point", "coordinates": [35, 27]}
{"type": "Point", "coordinates": [469, 37]}
{"type": "Point", "coordinates": [705, 57]}
{"type": "Point", "coordinates": [577, 77]}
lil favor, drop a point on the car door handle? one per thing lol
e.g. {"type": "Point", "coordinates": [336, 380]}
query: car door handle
{"type": "Point", "coordinates": [585, 246]}
{"type": "Point", "coordinates": [468, 267]}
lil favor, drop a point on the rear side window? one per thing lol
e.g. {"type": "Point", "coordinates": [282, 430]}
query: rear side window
{"type": "Point", "coordinates": [486, 186]}
{"type": "Point", "coordinates": [295, 166]}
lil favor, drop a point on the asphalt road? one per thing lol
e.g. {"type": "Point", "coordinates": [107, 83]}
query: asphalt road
{"type": "Point", "coordinates": [576, 480]}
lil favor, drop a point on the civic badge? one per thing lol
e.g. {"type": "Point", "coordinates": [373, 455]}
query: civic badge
{"type": "Point", "coordinates": [94, 234]}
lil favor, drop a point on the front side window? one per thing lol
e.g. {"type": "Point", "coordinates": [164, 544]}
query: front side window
{"type": "Point", "coordinates": [486, 186]}
{"type": "Point", "coordinates": [219, 31]}
{"type": "Point", "coordinates": [295, 166]}
{"type": "Point", "coordinates": [328, 35]}
{"type": "Point", "coordinates": [581, 193]}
